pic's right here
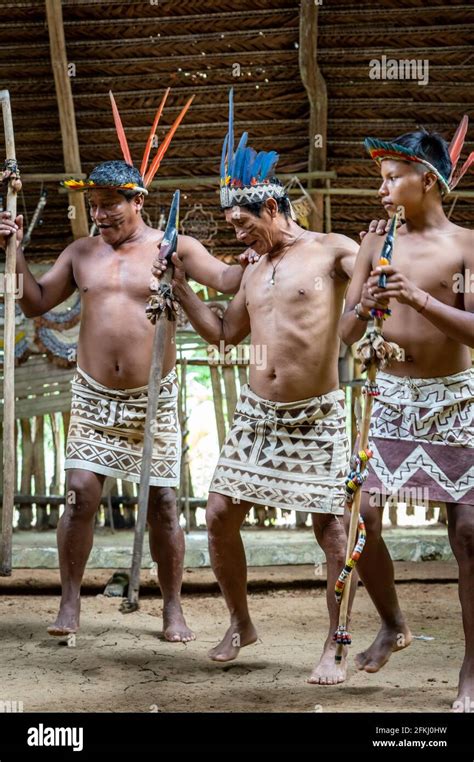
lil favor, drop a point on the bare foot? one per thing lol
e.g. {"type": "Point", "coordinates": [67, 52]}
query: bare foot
{"type": "Point", "coordinates": [175, 629]}
{"type": "Point", "coordinates": [387, 641]}
{"type": "Point", "coordinates": [67, 621]}
{"type": "Point", "coordinates": [327, 672]}
{"type": "Point", "coordinates": [236, 637]}
{"type": "Point", "coordinates": [465, 698]}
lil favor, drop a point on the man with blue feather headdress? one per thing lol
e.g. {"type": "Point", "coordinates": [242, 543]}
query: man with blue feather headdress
{"type": "Point", "coordinates": [287, 447]}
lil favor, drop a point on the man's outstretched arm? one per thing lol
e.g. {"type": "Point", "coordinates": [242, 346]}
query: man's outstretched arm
{"type": "Point", "coordinates": [232, 328]}
{"type": "Point", "coordinates": [206, 269]}
{"type": "Point", "coordinates": [37, 297]}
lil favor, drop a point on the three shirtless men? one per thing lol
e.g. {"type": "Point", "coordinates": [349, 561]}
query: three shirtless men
{"type": "Point", "coordinates": [287, 446]}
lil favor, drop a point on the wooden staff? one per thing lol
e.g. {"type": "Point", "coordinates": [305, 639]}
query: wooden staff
{"type": "Point", "coordinates": [14, 185]}
{"type": "Point", "coordinates": [355, 517]}
{"type": "Point", "coordinates": [161, 314]}
{"type": "Point", "coordinates": [342, 636]}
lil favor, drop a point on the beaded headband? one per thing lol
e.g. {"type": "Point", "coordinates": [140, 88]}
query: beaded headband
{"type": "Point", "coordinates": [383, 149]}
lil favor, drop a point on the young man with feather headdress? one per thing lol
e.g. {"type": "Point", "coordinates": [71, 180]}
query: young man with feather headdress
{"type": "Point", "coordinates": [422, 430]}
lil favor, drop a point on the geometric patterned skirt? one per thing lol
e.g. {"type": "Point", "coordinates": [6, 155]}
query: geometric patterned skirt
{"type": "Point", "coordinates": [422, 437]}
{"type": "Point", "coordinates": [107, 428]}
{"type": "Point", "coordinates": [288, 455]}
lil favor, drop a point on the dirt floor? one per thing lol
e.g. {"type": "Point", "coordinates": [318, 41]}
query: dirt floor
{"type": "Point", "coordinates": [120, 664]}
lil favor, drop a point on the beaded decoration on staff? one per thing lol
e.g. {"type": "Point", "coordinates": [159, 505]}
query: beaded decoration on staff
{"type": "Point", "coordinates": [375, 353]}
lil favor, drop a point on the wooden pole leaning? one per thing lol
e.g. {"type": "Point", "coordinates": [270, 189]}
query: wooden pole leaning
{"type": "Point", "coordinates": [10, 291]}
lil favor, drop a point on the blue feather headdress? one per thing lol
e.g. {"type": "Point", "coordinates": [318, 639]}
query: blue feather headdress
{"type": "Point", "coordinates": [246, 176]}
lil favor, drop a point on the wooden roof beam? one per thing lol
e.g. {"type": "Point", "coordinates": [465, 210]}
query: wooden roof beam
{"type": "Point", "coordinates": [72, 159]}
{"type": "Point", "coordinates": [315, 86]}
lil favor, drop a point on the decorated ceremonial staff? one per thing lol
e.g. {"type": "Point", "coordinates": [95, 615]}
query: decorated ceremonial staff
{"type": "Point", "coordinates": [375, 353]}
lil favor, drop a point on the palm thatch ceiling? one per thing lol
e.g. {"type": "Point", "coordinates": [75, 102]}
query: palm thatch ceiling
{"type": "Point", "coordinates": [137, 49]}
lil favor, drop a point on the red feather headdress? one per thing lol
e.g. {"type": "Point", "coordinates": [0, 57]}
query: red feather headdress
{"type": "Point", "coordinates": [147, 172]}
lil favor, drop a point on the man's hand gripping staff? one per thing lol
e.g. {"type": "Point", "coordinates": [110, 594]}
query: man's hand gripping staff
{"type": "Point", "coordinates": [162, 300]}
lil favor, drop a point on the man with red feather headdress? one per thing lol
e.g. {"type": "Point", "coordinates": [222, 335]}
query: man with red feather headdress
{"type": "Point", "coordinates": [109, 391]}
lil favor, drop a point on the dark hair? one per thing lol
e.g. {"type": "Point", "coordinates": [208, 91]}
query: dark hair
{"type": "Point", "coordinates": [429, 146]}
{"type": "Point", "coordinates": [283, 207]}
{"type": "Point", "coordinates": [283, 203]}
{"type": "Point", "coordinates": [117, 173]}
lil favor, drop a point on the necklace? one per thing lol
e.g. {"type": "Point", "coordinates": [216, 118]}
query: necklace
{"type": "Point", "coordinates": [274, 267]}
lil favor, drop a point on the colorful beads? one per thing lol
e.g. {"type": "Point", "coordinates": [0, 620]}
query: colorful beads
{"type": "Point", "coordinates": [351, 562]}
{"type": "Point", "coordinates": [370, 388]}
{"type": "Point", "coordinates": [356, 475]}
{"type": "Point", "coordinates": [380, 314]}
{"type": "Point", "coordinates": [342, 636]}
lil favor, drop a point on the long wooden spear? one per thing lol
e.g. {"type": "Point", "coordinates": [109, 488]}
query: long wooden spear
{"type": "Point", "coordinates": [11, 173]}
{"type": "Point", "coordinates": [375, 353]}
{"type": "Point", "coordinates": [160, 310]}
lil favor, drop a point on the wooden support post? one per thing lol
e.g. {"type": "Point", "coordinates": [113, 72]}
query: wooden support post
{"type": "Point", "coordinates": [218, 403]}
{"type": "Point", "coordinates": [9, 471]}
{"type": "Point", "coordinates": [62, 79]}
{"type": "Point", "coordinates": [228, 375]}
{"type": "Point", "coordinates": [392, 512]}
{"type": "Point", "coordinates": [327, 209]}
{"type": "Point", "coordinates": [1, 462]}
{"type": "Point", "coordinates": [128, 490]}
{"type": "Point", "coordinates": [110, 490]}
{"type": "Point", "coordinates": [315, 86]}
{"type": "Point", "coordinates": [25, 510]}
{"type": "Point", "coordinates": [185, 480]}
{"type": "Point", "coordinates": [66, 416]}
{"type": "Point", "coordinates": [55, 483]}
{"type": "Point", "coordinates": [39, 472]}
{"type": "Point", "coordinates": [243, 375]}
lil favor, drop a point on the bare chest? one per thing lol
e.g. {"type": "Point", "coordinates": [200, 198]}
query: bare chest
{"type": "Point", "coordinates": [432, 267]}
{"type": "Point", "coordinates": [127, 275]}
{"type": "Point", "coordinates": [294, 287]}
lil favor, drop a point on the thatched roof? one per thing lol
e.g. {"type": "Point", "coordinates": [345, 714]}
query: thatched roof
{"type": "Point", "coordinates": [139, 48]}
{"type": "Point", "coordinates": [350, 37]}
